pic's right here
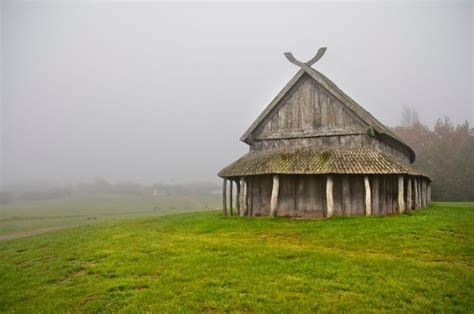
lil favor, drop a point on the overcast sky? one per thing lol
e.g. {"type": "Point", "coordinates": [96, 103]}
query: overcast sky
{"type": "Point", "coordinates": [157, 92]}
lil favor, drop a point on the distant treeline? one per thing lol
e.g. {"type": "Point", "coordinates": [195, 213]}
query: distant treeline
{"type": "Point", "coordinates": [445, 153]}
{"type": "Point", "coordinates": [29, 192]}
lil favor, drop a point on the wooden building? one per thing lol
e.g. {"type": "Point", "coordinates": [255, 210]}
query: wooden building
{"type": "Point", "coordinates": [315, 152]}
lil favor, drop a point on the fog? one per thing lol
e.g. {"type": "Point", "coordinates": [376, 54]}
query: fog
{"type": "Point", "coordinates": [158, 92]}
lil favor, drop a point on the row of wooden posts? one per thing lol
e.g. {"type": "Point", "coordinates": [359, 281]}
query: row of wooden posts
{"type": "Point", "coordinates": [421, 197]}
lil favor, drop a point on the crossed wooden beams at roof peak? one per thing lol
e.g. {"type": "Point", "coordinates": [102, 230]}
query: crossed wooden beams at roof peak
{"type": "Point", "coordinates": [315, 59]}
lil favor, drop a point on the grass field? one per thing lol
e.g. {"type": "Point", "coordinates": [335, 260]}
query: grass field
{"type": "Point", "coordinates": [90, 209]}
{"type": "Point", "coordinates": [417, 262]}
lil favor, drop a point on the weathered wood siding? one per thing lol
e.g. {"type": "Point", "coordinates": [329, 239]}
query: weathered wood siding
{"type": "Point", "coordinates": [309, 110]}
{"type": "Point", "coordinates": [394, 150]}
{"type": "Point", "coordinates": [310, 115]}
{"type": "Point", "coordinates": [305, 195]}
{"type": "Point", "coordinates": [354, 140]}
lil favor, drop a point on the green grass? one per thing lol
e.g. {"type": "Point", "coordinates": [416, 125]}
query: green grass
{"type": "Point", "coordinates": [416, 262]}
{"type": "Point", "coordinates": [77, 210]}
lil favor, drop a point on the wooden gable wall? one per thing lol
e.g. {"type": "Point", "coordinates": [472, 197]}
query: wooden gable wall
{"type": "Point", "coordinates": [309, 110]}
{"type": "Point", "coordinates": [310, 115]}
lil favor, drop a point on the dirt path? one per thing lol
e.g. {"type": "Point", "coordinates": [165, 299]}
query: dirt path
{"type": "Point", "coordinates": [23, 234]}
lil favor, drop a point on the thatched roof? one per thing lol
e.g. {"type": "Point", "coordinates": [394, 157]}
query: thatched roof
{"type": "Point", "coordinates": [371, 121]}
{"type": "Point", "coordinates": [317, 160]}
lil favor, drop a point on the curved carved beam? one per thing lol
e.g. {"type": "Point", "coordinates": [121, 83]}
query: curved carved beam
{"type": "Point", "coordinates": [315, 59]}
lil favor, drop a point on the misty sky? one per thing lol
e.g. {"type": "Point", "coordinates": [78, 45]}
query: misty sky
{"type": "Point", "coordinates": [156, 92]}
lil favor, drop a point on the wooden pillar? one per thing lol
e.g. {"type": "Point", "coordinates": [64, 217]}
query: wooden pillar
{"type": "Point", "coordinates": [408, 193]}
{"type": "Point", "coordinates": [401, 203]}
{"type": "Point", "coordinates": [368, 197]}
{"type": "Point", "coordinates": [243, 202]}
{"type": "Point", "coordinates": [224, 197]}
{"type": "Point", "coordinates": [230, 199]}
{"type": "Point", "coordinates": [329, 196]}
{"type": "Point", "coordinates": [237, 198]}
{"type": "Point", "coordinates": [274, 199]}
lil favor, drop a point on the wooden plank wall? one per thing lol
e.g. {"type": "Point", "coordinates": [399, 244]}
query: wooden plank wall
{"type": "Point", "coordinates": [352, 140]}
{"type": "Point", "coordinates": [260, 191]}
{"type": "Point", "coordinates": [305, 195]}
{"type": "Point", "coordinates": [307, 106]}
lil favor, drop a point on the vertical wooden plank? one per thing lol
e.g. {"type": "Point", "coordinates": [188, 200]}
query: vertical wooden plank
{"type": "Point", "coordinates": [324, 115]}
{"type": "Point", "coordinates": [429, 193]}
{"type": "Point", "coordinates": [368, 197]}
{"type": "Point", "coordinates": [375, 195]}
{"type": "Point", "coordinates": [224, 197]}
{"type": "Point", "coordinates": [329, 196]}
{"type": "Point", "coordinates": [230, 197]}
{"type": "Point", "coordinates": [257, 196]}
{"type": "Point", "coordinates": [358, 195]}
{"type": "Point", "coordinates": [286, 195]}
{"type": "Point", "coordinates": [275, 121]}
{"type": "Point", "coordinates": [309, 107]}
{"type": "Point", "coordinates": [346, 195]}
{"type": "Point", "coordinates": [415, 189]}
{"type": "Point", "coordinates": [320, 187]}
{"type": "Point", "coordinates": [274, 198]}
{"type": "Point", "coordinates": [237, 198]}
{"type": "Point", "coordinates": [390, 192]}
{"type": "Point", "coordinates": [400, 194]}
{"type": "Point", "coordinates": [311, 193]}
{"type": "Point", "coordinates": [337, 195]}
{"type": "Point", "coordinates": [267, 195]}
{"type": "Point", "coordinates": [409, 196]}
{"type": "Point", "coordinates": [300, 195]}
{"type": "Point", "coordinates": [339, 115]}
{"type": "Point", "coordinates": [425, 188]}
{"type": "Point", "coordinates": [243, 201]}
{"type": "Point", "coordinates": [251, 181]}
{"type": "Point", "coordinates": [317, 109]}
{"type": "Point", "coordinates": [282, 123]}
{"type": "Point", "coordinates": [331, 110]}
{"type": "Point", "coordinates": [382, 195]}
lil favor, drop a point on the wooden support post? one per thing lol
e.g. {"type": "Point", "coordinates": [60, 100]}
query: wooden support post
{"type": "Point", "coordinates": [329, 196]}
{"type": "Point", "coordinates": [368, 197]}
{"type": "Point", "coordinates": [237, 198]}
{"type": "Point", "coordinates": [245, 198]}
{"type": "Point", "coordinates": [274, 199]}
{"type": "Point", "coordinates": [230, 198]}
{"type": "Point", "coordinates": [224, 197]}
{"type": "Point", "coordinates": [408, 193]}
{"type": "Point", "coordinates": [401, 203]}
{"type": "Point", "coordinates": [242, 197]}
{"type": "Point", "coordinates": [415, 189]}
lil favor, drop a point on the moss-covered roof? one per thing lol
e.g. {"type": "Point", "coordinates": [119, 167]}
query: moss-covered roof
{"type": "Point", "coordinates": [317, 160]}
